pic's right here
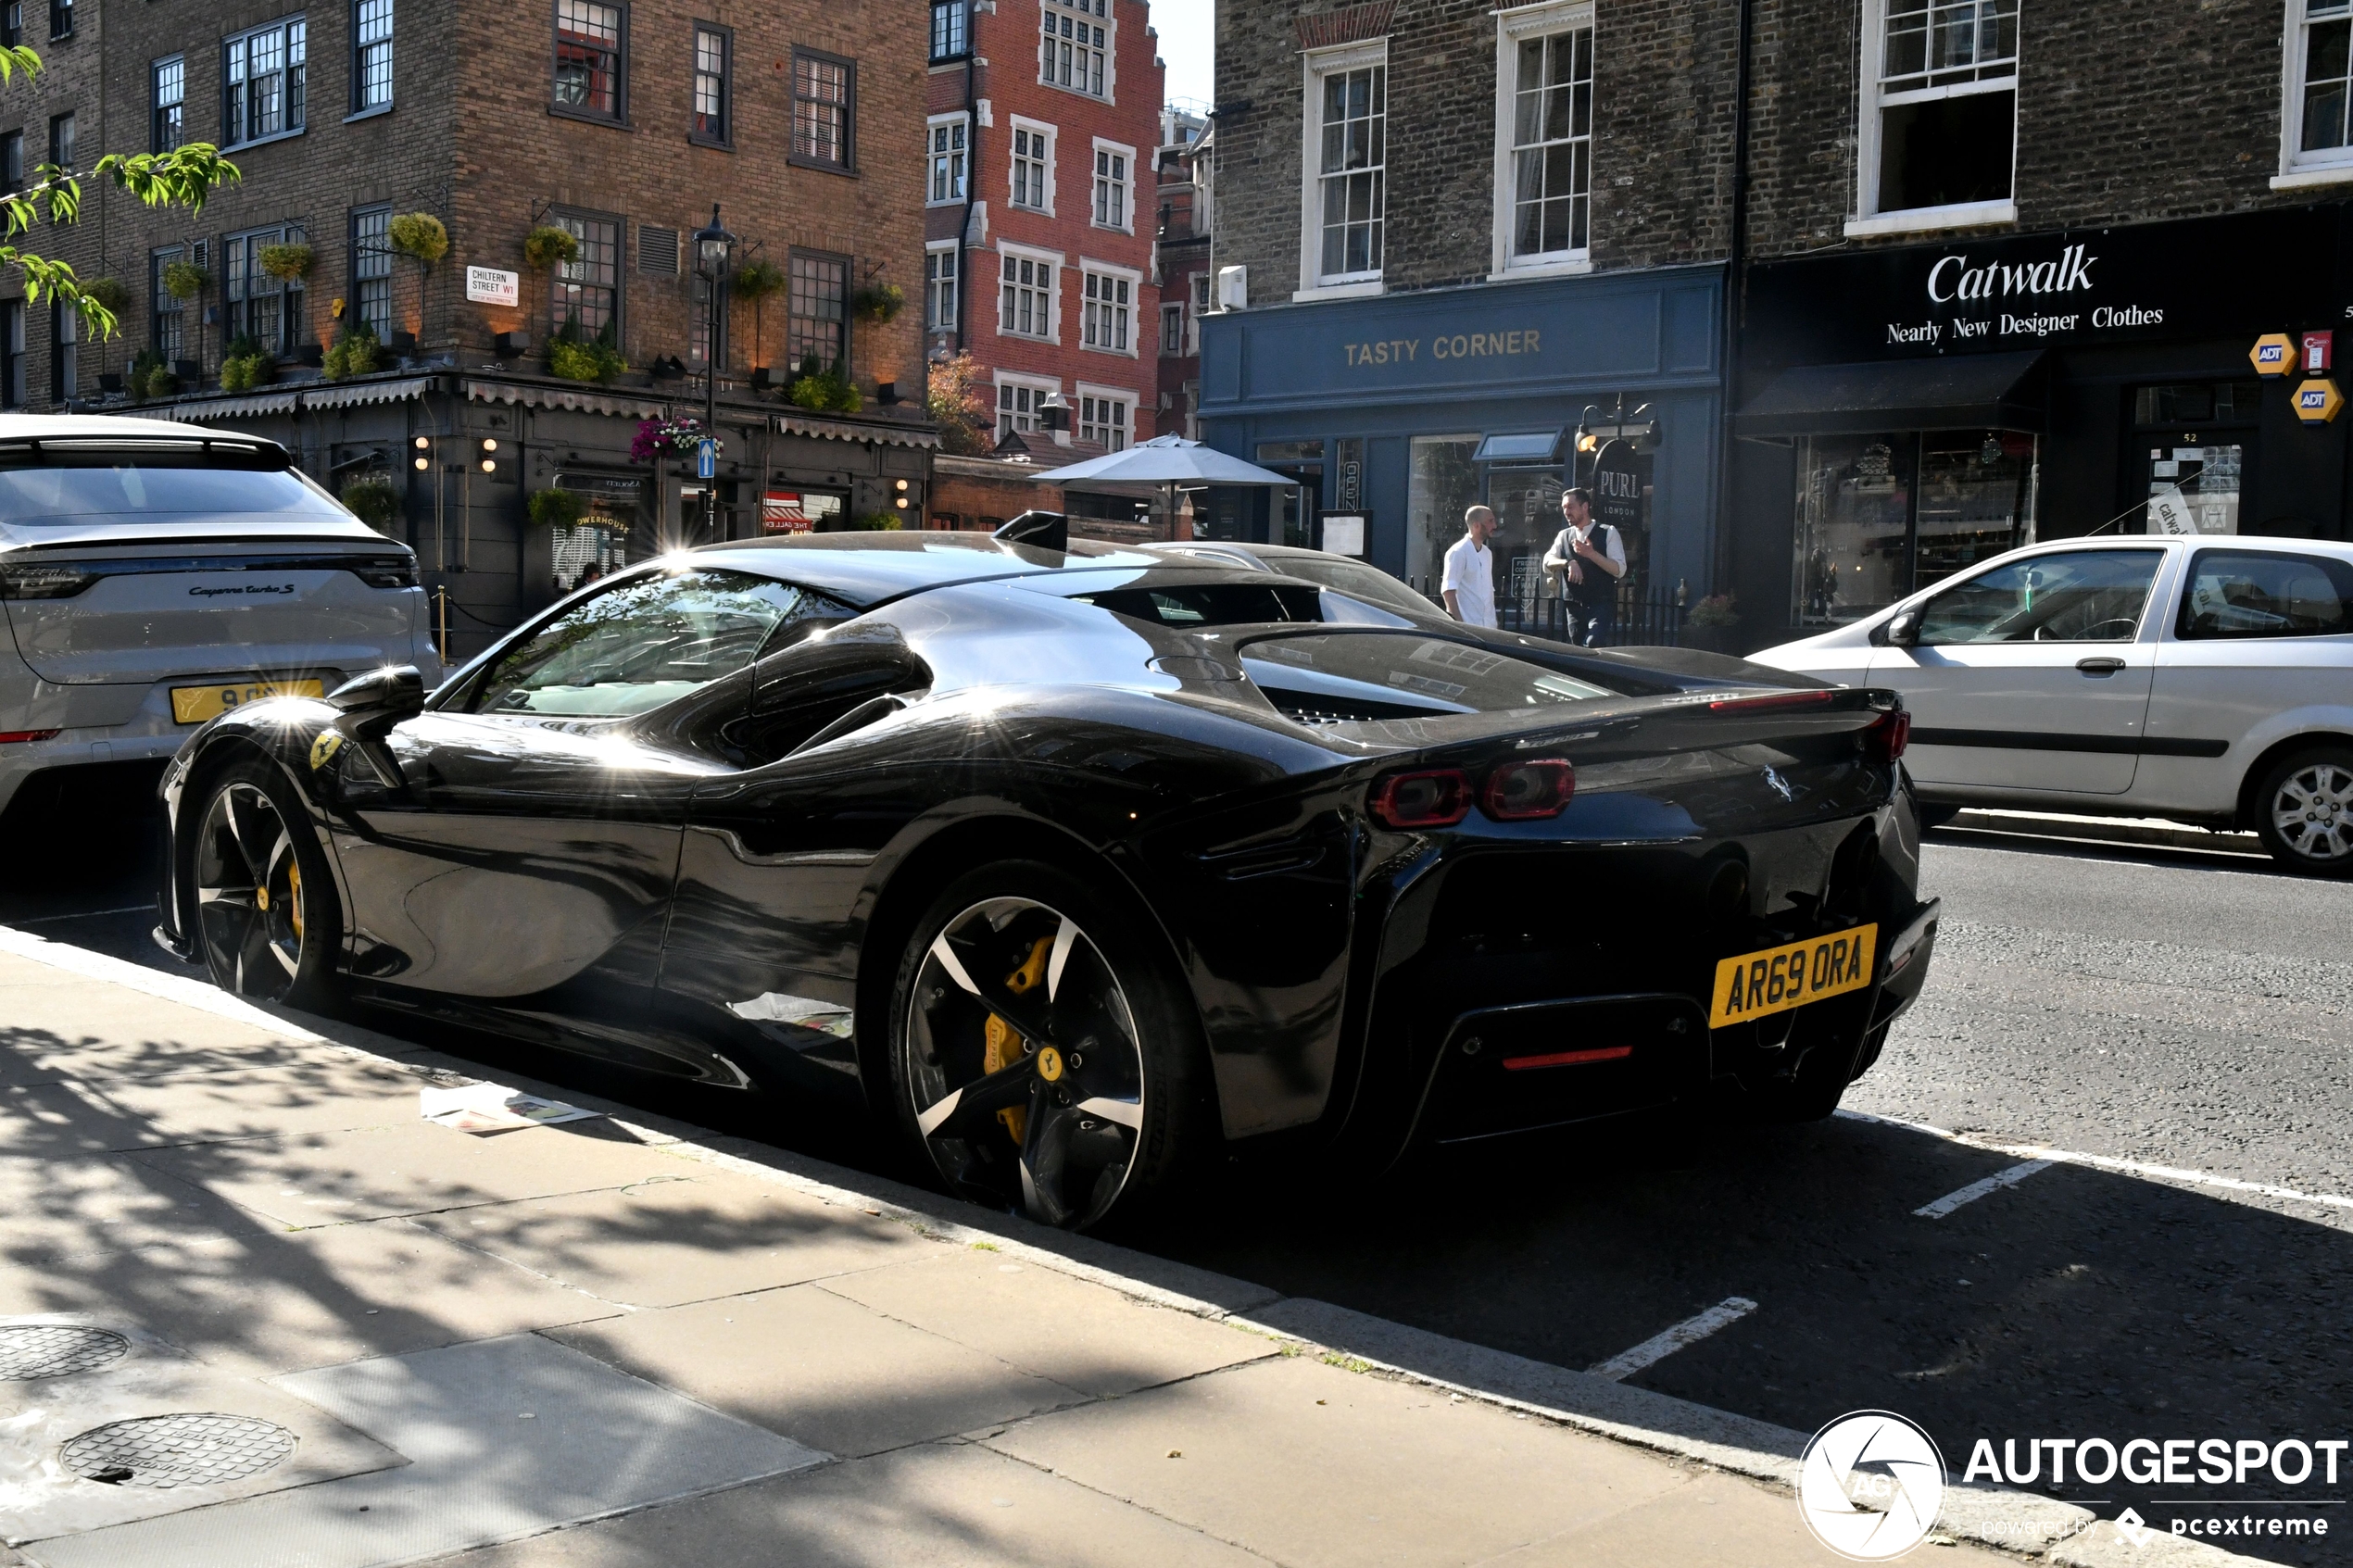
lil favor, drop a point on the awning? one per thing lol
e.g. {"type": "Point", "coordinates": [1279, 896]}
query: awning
{"type": "Point", "coordinates": [220, 408]}
{"type": "Point", "coordinates": [580, 400]}
{"type": "Point", "coordinates": [356, 394]}
{"type": "Point", "coordinates": [1953, 392]}
{"type": "Point", "coordinates": [836, 430]}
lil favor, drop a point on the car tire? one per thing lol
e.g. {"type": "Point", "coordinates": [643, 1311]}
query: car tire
{"type": "Point", "coordinates": [263, 911]}
{"type": "Point", "coordinates": [1097, 1108]}
{"type": "Point", "coordinates": [2303, 810]}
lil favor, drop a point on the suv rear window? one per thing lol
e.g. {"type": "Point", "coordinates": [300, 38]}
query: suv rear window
{"type": "Point", "coordinates": [1371, 675]}
{"type": "Point", "coordinates": [73, 484]}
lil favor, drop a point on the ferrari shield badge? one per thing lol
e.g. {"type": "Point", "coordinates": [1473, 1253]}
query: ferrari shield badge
{"type": "Point", "coordinates": [323, 749]}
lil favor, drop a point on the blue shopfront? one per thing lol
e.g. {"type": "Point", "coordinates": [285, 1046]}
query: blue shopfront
{"type": "Point", "coordinates": [1404, 409]}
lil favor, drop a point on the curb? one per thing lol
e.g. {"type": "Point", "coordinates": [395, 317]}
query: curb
{"type": "Point", "coordinates": [2018, 1523]}
{"type": "Point", "coordinates": [2148, 832]}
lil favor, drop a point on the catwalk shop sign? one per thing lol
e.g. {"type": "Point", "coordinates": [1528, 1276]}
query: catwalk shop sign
{"type": "Point", "coordinates": [2140, 282]}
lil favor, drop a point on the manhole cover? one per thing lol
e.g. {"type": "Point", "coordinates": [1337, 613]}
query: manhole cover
{"type": "Point", "coordinates": [51, 1349]}
{"type": "Point", "coordinates": [177, 1450]}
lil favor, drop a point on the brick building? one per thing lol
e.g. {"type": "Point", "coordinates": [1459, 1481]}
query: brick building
{"type": "Point", "coordinates": [1180, 265]}
{"type": "Point", "coordinates": [621, 123]}
{"type": "Point", "coordinates": [1038, 217]}
{"type": "Point", "coordinates": [1984, 283]}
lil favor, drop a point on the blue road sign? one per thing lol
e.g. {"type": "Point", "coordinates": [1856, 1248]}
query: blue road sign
{"type": "Point", "coordinates": [706, 459]}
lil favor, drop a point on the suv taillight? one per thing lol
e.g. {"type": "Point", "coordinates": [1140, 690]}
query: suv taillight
{"type": "Point", "coordinates": [1431, 797]}
{"type": "Point", "coordinates": [56, 581]}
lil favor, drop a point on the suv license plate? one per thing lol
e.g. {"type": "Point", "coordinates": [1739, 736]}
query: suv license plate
{"type": "Point", "coordinates": [193, 704]}
{"type": "Point", "coordinates": [1777, 979]}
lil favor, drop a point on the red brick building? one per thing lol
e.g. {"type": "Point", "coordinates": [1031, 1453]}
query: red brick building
{"type": "Point", "coordinates": [1044, 117]}
{"type": "Point", "coordinates": [1181, 267]}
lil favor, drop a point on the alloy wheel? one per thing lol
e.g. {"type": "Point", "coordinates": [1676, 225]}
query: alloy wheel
{"type": "Point", "coordinates": [1023, 1063]}
{"type": "Point", "coordinates": [248, 883]}
{"type": "Point", "coordinates": [2313, 813]}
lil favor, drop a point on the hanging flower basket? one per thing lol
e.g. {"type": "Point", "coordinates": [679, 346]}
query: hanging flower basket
{"type": "Point", "coordinates": [657, 438]}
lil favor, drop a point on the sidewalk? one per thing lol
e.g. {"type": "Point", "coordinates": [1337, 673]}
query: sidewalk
{"type": "Point", "coordinates": [618, 1342]}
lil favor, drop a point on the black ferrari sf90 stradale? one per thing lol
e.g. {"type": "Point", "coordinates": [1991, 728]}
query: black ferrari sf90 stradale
{"type": "Point", "coordinates": [1081, 862]}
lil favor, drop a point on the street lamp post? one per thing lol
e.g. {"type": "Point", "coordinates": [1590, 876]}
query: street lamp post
{"type": "Point", "coordinates": [714, 249]}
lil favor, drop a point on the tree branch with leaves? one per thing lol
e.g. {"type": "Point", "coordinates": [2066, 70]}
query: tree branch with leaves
{"type": "Point", "coordinates": [184, 177]}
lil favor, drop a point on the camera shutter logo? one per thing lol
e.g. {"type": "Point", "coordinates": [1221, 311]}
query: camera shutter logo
{"type": "Point", "coordinates": [1870, 1485]}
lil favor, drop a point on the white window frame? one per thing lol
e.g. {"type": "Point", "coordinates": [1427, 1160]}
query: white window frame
{"type": "Point", "coordinates": [1126, 186]}
{"type": "Point", "coordinates": [931, 159]}
{"type": "Point", "coordinates": [1869, 218]}
{"type": "Point", "coordinates": [1119, 395]}
{"type": "Point", "coordinates": [1053, 258]}
{"type": "Point", "coordinates": [1053, 146]}
{"type": "Point", "coordinates": [1108, 19]}
{"type": "Point", "coordinates": [932, 323]}
{"type": "Point", "coordinates": [1172, 344]}
{"type": "Point", "coordinates": [1316, 64]}
{"type": "Point", "coordinates": [1039, 387]}
{"type": "Point", "coordinates": [1513, 28]}
{"type": "Point", "coordinates": [2328, 166]}
{"type": "Point", "coordinates": [1135, 282]}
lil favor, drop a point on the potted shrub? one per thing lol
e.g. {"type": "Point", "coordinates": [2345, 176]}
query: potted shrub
{"type": "Point", "coordinates": [754, 282]}
{"type": "Point", "coordinates": [879, 522]}
{"type": "Point", "coordinates": [144, 365]}
{"type": "Point", "coordinates": [574, 358]}
{"type": "Point", "coordinates": [246, 364]}
{"type": "Point", "coordinates": [1712, 624]}
{"type": "Point", "coordinates": [879, 302]}
{"type": "Point", "coordinates": [825, 389]}
{"type": "Point", "coordinates": [354, 352]}
{"type": "Point", "coordinates": [373, 499]}
{"type": "Point", "coordinates": [556, 509]}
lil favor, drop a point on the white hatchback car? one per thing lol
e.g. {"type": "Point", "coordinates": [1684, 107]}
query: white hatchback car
{"type": "Point", "coordinates": [153, 575]}
{"type": "Point", "coordinates": [2206, 679]}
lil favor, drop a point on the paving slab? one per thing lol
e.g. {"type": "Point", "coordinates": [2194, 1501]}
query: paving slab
{"type": "Point", "coordinates": [274, 1300]}
{"type": "Point", "coordinates": [697, 1234]}
{"type": "Point", "coordinates": [1081, 1335]}
{"type": "Point", "coordinates": [64, 1211]}
{"type": "Point", "coordinates": [415, 1168]}
{"type": "Point", "coordinates": [504, 1437]}
{"type": "Point", "coordinates": [949, 1505]}
{"type": "Point", "coordinates": [85, 1115]}
{"type": "Point", "coordinates": [71, 1026]}
{"type": "Point", "coordinates": [1380, 1472]}
{"type": "Point", "coordinates": [818, 1368]}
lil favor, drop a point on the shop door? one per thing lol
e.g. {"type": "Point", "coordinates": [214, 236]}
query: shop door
{"type": "Point", "coordinates": [2190, 457]}
{"type": "Point", "coordinates": [1290, 514]}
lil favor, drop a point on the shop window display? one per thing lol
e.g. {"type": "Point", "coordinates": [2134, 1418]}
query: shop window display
{"type": "Point", "coordinates": [1442, 483]}
{"type": "Point", "coordinates": [1865, 540]}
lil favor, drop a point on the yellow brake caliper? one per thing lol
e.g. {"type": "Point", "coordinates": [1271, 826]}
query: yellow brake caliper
{"type": "Point", "coordinates": [294, 891]}
{"type": "Point", "coordinates": [1005, 1044]}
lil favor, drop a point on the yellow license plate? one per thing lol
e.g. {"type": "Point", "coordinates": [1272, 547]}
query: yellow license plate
{"type": "Point", "coordinates": [1777, 979]}
{"type": "Point", "coordinates": [193, 704]}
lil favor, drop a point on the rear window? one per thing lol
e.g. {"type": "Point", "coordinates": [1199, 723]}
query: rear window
{"type": "Point", "coordinates": [52, 486]}
{"type": "Point", "coordinates": [2247, 594]}
{"type": "Point", "coordinates": [1193, 606]}
{"type": "Point", "coordinates": [1372, 675]}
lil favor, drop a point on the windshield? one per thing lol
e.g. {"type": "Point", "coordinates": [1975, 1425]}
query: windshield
{"type": "Point", "coordinates": [55, 487]}
{"type": "Point", "coordinates": [1331, 680]}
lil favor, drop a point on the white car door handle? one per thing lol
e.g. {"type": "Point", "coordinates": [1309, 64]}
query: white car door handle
{"type": "Point", "coordinates": [2099, 667]}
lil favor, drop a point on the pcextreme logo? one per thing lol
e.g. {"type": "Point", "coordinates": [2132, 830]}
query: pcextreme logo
{"type": "Point", "coordinates": [1870, 1485]}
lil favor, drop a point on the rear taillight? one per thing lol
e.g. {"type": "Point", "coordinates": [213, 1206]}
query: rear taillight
{"type": "Point", "coordinates": [1432, 797]}
{"type": "Point", "coordinates": [1519, 792]}
{"type": "Point", "coordinates": [1888, 735]}
{"type": "Point", "coordinates": [54, 582]}
{"type": "Point", "coordinates": [11, 737]}
{"type": "Point", "coordinates": [387, 571]}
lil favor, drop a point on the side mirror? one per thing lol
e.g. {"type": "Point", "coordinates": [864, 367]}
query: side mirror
{"type": "Point", "coordinates": [1904, 628]}
{"type": "Point", "coordinates": [396, 690]}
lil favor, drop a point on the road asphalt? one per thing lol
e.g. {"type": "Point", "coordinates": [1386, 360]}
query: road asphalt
{"type": "Point", "coordinates": [2164, 1027]}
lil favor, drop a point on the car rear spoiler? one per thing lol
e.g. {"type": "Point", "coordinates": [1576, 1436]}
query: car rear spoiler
{"type": "Point", "coordinates": [243, 451]}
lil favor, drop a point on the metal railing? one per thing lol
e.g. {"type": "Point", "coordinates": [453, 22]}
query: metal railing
{"type": "Point", "coordinates": [1652, 620]}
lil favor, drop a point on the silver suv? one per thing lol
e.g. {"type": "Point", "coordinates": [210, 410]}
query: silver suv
{"type": "Point", "coordinates": [154, 574]}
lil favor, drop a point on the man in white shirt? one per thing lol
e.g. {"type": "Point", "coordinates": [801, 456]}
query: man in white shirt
{"type": "Point", "coordinates": [1469, 582]}
{"type": "Point", "coordinates": [1587, 560]}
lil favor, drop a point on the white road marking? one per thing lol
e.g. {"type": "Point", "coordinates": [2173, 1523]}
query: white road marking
{"type": "Point", "coordinates": [2106, 1163]}
{"type": "Point", "coordinates": [1658, 1346]}
{"type": "Point", "coordinates": [1976, 1190]}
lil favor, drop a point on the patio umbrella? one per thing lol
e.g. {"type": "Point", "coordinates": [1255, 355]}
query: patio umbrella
{"type": "Point", "coordinates": [1169, 460]}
